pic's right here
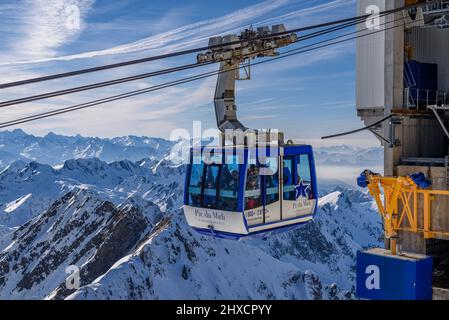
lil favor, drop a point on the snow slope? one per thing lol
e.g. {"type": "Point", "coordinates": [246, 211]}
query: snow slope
{"type": "Point", "coordinates": [119, 221]}
{"type": "Point", "coordinates": [162, 257]}
{"type": "Point", "coordinates": [77, 229]}
{"type": "Point", "coordinates": [26, 189]}
{"type": "Point", "coordinates": [176, 263]}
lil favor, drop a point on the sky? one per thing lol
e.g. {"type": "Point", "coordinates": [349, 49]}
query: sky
{"type": "Point", "coordinates": [306, 96]}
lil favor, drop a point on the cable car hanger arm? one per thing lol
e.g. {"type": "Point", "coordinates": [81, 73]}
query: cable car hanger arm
{"type": "Point", "coordinates": [232, 51]}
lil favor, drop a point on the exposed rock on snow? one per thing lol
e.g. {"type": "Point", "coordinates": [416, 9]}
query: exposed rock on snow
{"type": "Point", "coordinates": [78, 229]}
{"type": "Point", "coordinates": [26, 189]}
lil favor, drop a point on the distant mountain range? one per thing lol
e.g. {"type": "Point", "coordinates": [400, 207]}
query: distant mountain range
{"type": "Point", "coordinates": [26, 189]}
{"type": "Point", "coordinates": [54, 149]}
{"type": "Point", "coordinates": [344, 155]}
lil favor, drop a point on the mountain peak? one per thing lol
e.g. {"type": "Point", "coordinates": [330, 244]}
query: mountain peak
{"type": "Point", "coordinates": [330, 199]}
{"type": "Point", "coordinates": [54, 136]}
{"type": "Point", "coordinates": [19, 132]}
{"type": "Point", "coordinates": [16, 133]}
{"type": "Point", "coordinates": [36, 166]}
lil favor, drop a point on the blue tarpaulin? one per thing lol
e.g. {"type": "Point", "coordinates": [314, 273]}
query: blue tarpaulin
{"type": "Point", "coordinates": [420, 179]}
{"type": "Point", "coordinates": [362, 181]}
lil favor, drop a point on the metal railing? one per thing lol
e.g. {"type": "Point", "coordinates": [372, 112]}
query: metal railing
{"type": "Point", "coordinates": [421, 98]}
{"type": "Point", "coordinates": [409, 79]}
{"type": "Point", "coordinates": [436, 14]}
{"type": "Point", "coordinates": [437, 8]}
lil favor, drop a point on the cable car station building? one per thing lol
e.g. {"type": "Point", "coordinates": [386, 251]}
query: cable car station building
{"type": "Point", "coordinates": [402, 71]}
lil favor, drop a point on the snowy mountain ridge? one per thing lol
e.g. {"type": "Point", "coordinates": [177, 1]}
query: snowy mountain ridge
{"type": "Point", "coordinates": [112, 208]}
{"type": "Point", "coordinates": [26, 189]}
{"type": "Point", "coordinates": [54, 149]}
{"type": "Point", "coordinates": [120, 223]}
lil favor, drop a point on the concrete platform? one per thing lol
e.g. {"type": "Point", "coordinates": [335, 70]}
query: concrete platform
{"type": "Point", "coordinates": [440, 294]}
{"type": "Point", "coordinates": [383, 276]}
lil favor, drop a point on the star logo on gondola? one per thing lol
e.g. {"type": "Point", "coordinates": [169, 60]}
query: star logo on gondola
{"type": "Point", "coordinates": [301, 190]}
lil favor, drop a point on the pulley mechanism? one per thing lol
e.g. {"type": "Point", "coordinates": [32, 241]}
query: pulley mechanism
{"type": "Point", "coordinates": [234, 53]}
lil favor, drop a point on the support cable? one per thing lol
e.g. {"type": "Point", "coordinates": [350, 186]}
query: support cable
{"type": "Point", "coordinates": [195, 50]}
{"type": "Point", "coordinates": [171, 70]}
{"type": "Point", "coordinates": [177, 82]}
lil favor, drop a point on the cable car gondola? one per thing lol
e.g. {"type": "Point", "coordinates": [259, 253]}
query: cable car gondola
{"type": "Point", "coordinates": [233, 195]}
{"type": "Point", "coordinates": [244, 189]}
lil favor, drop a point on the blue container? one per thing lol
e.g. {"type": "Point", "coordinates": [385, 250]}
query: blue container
{"type": "Point", "coordinates": [382, 276]}
{"type": "Point", "coordinates": [425, 75]}
{"type": "Point", "coordinates": [422, 76]}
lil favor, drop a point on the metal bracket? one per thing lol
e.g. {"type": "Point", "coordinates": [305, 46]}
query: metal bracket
{"type": "Point", "coordinates": [245, 68]}
{"type": "Point", "coordinates": [435, 112]}
{"type": "Point", "coordinates": [392, 133]}
{"type": "Point", "coordinates": [379, 136]}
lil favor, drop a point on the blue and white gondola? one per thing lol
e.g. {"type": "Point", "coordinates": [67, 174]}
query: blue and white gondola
{"type": "Point", "coordinates": [230, 194]}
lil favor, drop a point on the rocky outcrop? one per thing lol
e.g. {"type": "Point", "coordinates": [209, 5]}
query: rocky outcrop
{"type": "Point", "coordinates": [79, 230]}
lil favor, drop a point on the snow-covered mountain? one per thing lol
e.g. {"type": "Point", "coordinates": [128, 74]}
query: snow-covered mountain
{"type": "Point", "coordinates": [120, 223]}
{"type": "Point", "coordinates": [111, 207]}
{"type": "Point", "coordinates": [316, 261]}
{"type": "Point", "coordinates": [345, 155]}
{"type": "Point", "coordinates": [77, 229]}
{"type": "Point", "coordinates": [342, 164]}
{"type": "Point", "coordinates": [26, 189]}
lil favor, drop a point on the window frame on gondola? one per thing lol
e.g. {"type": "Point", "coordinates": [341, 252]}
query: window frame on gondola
{"type": "Point", "coordinates": [211, 158]}
{"type": "Point", "coordinates": [232, 186]}
{"type": "Point", "coordinates": [268, 166]}
{"type": "Point", "coordinates": [251, 161]}
{"type": "Point", "coordinates": [298, 175]}
{"type": "Point", "coordinates": [275, 177]}
{"type": "Point", "coordinates": [288, 190]}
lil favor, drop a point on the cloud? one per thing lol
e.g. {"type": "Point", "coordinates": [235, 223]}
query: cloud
{"type": "Point", "coordinates": [257, 117]}
{"type": "Point", "coordinates": [40, 27]}
{"type": "Point", "coordinates": [159, 112]}
{"type": "Point", "coordinates": [269, 70]}
{"type": "Point", "coordinates": [197, 33]}
{"type": "Point", "coordinates": [178, 37]}
{"type": "Point", "coordinates": [311, 12]}
{"type": "Point", "coordinates": [153, 113]}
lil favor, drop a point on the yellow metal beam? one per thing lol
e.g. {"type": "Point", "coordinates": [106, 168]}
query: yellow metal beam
{"type": "Point", "coordinates": [391, 193]}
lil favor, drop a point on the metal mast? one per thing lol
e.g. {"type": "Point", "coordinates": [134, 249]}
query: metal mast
{"type": "Point", "coordinates": [234, 53]}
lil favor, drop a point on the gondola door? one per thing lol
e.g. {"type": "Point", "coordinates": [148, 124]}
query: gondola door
{"type": "Point", "coordinates": [253, 196]}
{"type": "Point", "coordinates": [270, 182]}
{"type": "Point", "coordinates": [288, 187]}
